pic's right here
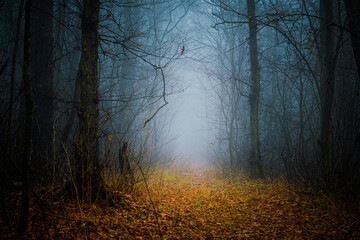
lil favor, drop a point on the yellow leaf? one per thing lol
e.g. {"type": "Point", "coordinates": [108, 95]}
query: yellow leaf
{"type": "Point", "coordinates": [107, 116]}
{"type": "Point", "coordinates": [110, 137]}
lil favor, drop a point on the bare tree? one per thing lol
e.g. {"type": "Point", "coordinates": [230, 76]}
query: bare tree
{"type": "Point", "coordinates": [42, 72]}
{"type": "Point", "coordinates": [87, 166]}
{"type": "Point", "coordinates": [353, 11]}
{"type": "Point", "coordinates": [327, 80]}
{"type": "Point", "coordinates": [256, 167]}
{"type": "Point", "coordinates": [28, 148]}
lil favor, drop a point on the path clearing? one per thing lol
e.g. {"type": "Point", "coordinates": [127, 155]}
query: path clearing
{"type": "Point", "coordinates": [195, 204]}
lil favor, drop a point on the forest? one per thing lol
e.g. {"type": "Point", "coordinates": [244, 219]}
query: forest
{"type": "Point", "coordinates": [180, 119]}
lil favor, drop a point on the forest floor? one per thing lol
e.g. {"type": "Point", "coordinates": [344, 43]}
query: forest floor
{"type": "Point", "coordinates": [195, 204]}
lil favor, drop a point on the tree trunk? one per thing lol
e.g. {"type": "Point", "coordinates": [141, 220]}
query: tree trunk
{"type": "Point", "coordinates": [13, 70]}
{"type": "Point", "coordinates": [353, 15]}
{"type": "Point", "coordinates": [25, 186]}
{"type": "Point", "coordinates": [327, 88]}
{"type": "Point", "coordinates": [89, 101]}
{"type": "Point", "coordinates": [256, 167]}
{"type": "Point", "coordinates": [42, 72]}
{"type": "Point", "coordinates": [72, 116]}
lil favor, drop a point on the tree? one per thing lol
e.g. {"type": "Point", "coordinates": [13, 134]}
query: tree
{"type": "Point", "coordinates": [87, 165]}
{"type": "Point", "coordinates": [353, 11]}
{"type": "Point", "coordinates": [327, 88]}
{"type": "Point", "coordinates": [42, 71]}
{"type": "Point", "coordinates": [13, 70]}
{"type": "Point", "coordinates": [256, 167]}
{"type": "Point", "coordinates": [25, 166]}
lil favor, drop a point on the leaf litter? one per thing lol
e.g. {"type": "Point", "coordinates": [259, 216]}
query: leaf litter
{"type": "Point", "coordinates": [198, 205]}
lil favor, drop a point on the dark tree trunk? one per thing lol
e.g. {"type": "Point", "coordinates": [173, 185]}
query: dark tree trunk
{"type": "Point", "coordinates": [256, 167]}
{"type": "Point", "coordinates": [89, 100]}
{"type": "Point", "coordinates": [72, 116]}
{"type": "Point", "coordinates": [13, 70]}
{"type": "Point", "coordinates": [327, 89]}
{"type": "Point", "coordinates": [353, 15]}
{"type": "Point", "coordinates": [42, 72]}
{"type": "Point", "coordinates": [88, 70]}
{"type": "Point", "coordinates": [25, 186]}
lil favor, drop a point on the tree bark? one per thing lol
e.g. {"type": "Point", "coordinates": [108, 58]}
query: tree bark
{"type": "Point", "coordinates": [42, 72]}
{"type": "Point", "coordinates": [13, 70]}
{"type": "Point", "coordinates": [25, 186]}
{"type": "Point", "coordinates": [89, 100]}
{"type": "Point", "coordinates": [353, 14]}
{"type": "Point", "coordinates": [256, 167]}
{"type": "Point", "coordinates": [327, 80]}
{"type": "Point", "coordinates": [88, 70]}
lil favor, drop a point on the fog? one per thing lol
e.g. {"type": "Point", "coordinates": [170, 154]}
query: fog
{"type": "Point", "coordinates": [189, 111]}
{"type": "Point", "coordinates": [189, 126]}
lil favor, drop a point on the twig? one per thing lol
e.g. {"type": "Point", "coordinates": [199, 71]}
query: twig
{"type": "Point", "coordinates": [163, 96]}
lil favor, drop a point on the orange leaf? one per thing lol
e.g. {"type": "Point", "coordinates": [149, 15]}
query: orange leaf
{"type": "Point", "coordinates": [107, 116]}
